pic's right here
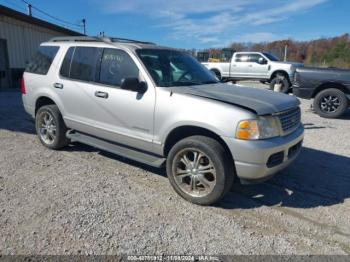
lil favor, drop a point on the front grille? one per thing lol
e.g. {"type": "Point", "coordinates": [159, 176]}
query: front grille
{"type": "Point", "coordinates": [275, 159]}
{"type": "Point", "coordinates": [290, 119]}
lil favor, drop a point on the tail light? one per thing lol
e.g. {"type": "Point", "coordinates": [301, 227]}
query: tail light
{"type": "Point", "coordinates": [23, 86]}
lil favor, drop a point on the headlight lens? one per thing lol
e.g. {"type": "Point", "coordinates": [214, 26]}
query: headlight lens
{"type": "Point", "coordinates": [261, 128]}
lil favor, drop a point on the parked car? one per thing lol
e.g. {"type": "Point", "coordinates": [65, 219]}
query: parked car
{"type": "Point", "coordinates": [256, 66]}
{"type": "Point", "coordinates": [329, 87]}
{"type": "Point", "coordinates": [157, 105]}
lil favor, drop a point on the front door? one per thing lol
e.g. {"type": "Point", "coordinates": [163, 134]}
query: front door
{"type": "Point", "coordinates": [258, 70]}
{"type": "Point", "coordinates": [4, 65]}
{"type": "Point", "coordinates": [96, 104]}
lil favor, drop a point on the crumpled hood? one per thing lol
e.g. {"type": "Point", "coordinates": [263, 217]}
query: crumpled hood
{"type": "Point", "coordinates": [263, 102]}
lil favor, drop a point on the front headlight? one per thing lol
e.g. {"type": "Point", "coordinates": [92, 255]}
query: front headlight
{"type": "Point", "coordinates": [261, 128]}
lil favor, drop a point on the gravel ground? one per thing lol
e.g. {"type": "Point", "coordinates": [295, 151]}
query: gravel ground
{"type": "Point", "coordinates": [83, 201]}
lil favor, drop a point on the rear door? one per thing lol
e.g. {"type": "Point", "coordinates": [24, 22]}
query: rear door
{"type": "Point", "coordinates": [240, 66]}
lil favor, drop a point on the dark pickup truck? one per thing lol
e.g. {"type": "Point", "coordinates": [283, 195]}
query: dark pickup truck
{"type": "Point", "coordinates": [330, 88]}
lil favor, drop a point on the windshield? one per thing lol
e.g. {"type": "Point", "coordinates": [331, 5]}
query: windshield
{"type": "Point", "coordinates": [271, 57]}
{"type": "Point", "coordinates": [174, 68]}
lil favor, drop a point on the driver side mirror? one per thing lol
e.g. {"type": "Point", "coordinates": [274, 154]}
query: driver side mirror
{"type": "Point", "coordinates": [262, 61]}
{"type": "Point", "coordinates": [134, 84]}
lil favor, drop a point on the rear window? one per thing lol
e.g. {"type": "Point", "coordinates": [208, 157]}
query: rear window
{"type": "Point", "coordinates": [42, 60]}
{"type": "Point", "coordinates": [242, 58]}
{"type": "Point", "coordinates": [84, 63]}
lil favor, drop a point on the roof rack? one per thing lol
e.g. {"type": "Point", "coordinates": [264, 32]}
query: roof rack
{"type": "Point", "coordinates": [74, 39]}
{"type": "Point", "coordinates": [98, 39]}
{"type": "Point", "coordinates": [125, 40]}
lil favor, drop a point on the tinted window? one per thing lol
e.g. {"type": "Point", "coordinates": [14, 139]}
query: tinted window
{"type": "Point", "coordinates": [173, 68]}
{"type": "Point", "coordinates": [254, 58]}
{"type": "Point", "coordinates": [65, 68]}
{"type": "Point", "coordinates": [242, 58]}
{"type": "Point", "coordinates": [85, 63]}
{"type": "Point", "coordinates": [42, 60]}
{"type": "Point", "coordinates": [115, 66]}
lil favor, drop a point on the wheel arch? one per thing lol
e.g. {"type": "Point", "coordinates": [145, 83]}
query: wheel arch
{"type": "Point", "coordinates": [273, 75]}
{"type": "Point", "coordinates": [185, 131]}
{"type": "Point", "coordinates": [43, 101]}
{"type": "Point", "coordinates": [329, 85]}
{"type": "Point", "coordinates": [216, 71]}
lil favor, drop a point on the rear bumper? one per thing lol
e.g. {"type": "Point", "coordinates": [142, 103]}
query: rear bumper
{"type": "Point", "coordinates": [30, 110]}
{"type": "Point", "coordinates": [253, 158]}
{"type": "Point", "coordinates": [305, 93]}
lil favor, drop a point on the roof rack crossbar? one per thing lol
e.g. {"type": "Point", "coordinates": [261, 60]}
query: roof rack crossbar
{"type": "Point", "coordinates": [97, 39]}
{"type": "Point", "coordinates": [126, 40]}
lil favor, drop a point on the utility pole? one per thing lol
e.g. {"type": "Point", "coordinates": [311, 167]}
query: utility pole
{"type": "Point", "coordinates": [29, 9]}
{"type": "Point", "coordinates": [285, 52]}
{"type": "Point", "coordinates": [84, 25]}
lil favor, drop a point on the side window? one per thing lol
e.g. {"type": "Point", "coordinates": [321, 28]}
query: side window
{"type": "Point", "coordinates": [254, 58]}
{"type": "Point", "coordinates": [85, 63]}
{"type": "Point", "coordinates": [241, 58]}
{"type": "Point", "coordinates": [65, 68]}
{"type": "Point", "coordinates": [115, 66]}
{"type": "Point", "coordinates": [42, 60]}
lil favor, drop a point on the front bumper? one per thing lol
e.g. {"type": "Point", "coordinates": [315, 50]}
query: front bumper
{"type": "Point", "coordinates": [252, 158]}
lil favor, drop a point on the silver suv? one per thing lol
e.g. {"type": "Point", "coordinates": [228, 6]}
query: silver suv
{"type": "Point", "coordinates": [157, 105]}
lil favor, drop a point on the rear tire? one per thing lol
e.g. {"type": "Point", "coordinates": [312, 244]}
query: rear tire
{"type": "Point", "coordinates": [200, 170]}
{"type": "Point", "coordinates": [330, 103]}
{"type": "Point", "coordinates": [50, 127]}
{"type": "Point", "coordinates": [280, 79]}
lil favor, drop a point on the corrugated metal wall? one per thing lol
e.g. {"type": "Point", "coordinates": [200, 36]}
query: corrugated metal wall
{"type": "Point", "coordinates": [22, 39]}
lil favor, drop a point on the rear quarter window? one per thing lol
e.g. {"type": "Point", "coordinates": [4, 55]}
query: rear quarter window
{"type": "Point", "coordinates": [42, 60]}
{"type": "Point", "coordinates": [65, 68]}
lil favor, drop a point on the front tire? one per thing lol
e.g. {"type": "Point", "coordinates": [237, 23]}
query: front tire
{"type": "Point", "coordinates": [50, 127]}
{"type": "Point", "coordinates": [280, 79]}
{"type": "Point", "coordinates": [217, 73]}
{"type": "Point", "coordinates": [330, 103]}
{"type": "Point", "coordinates": [200, 170]}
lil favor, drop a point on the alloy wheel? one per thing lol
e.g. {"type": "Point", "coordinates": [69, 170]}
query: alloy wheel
{"type": "Point", "coordinates": [47, 128]}
{"type": "Point", "coordinates": [194, 172]}
{"type": "Point", "coordinates": [329, 103]}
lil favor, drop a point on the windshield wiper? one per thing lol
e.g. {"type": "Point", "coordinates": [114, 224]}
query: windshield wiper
{"type": "Point", "coordinates": [210, 82]}
{"type": "Point", "coordinates": [192, 83]}
{"type": "Point", "coordinates": [187, 83]}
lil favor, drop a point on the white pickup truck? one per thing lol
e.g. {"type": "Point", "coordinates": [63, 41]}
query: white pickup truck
{"type": "Point", "coordinates": [256, 66]}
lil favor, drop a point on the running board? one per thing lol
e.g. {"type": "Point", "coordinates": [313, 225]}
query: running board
{"type": "Point", "coordinates": [132, 154]}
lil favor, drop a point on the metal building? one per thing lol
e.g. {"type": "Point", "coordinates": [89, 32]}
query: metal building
{"type": "Point", "coordinates": [20, 36]}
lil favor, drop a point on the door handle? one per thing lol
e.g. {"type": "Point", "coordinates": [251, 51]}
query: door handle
{"type": "Point", "coordinates": [101, 94]}
{"type": "Point", "coordinates": [58, 85]}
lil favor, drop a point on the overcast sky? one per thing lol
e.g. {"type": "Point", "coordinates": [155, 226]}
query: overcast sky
{"type": "Point", "coordinates": [202, 23]}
